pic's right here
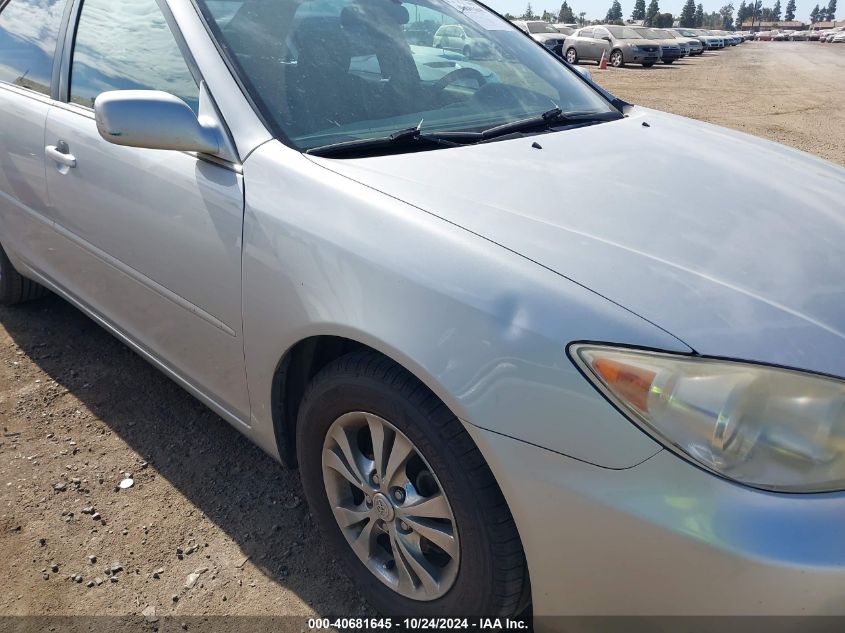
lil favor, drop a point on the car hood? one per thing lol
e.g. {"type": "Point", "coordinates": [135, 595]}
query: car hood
{"type": "Point", "coordinates": [731, 243]}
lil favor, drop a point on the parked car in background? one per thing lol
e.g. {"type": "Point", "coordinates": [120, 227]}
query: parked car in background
{"type": "Point", "coordinates": [542, 32]}
{"type": "Point", "coordinates": [693, 34]}
{"type": "Point", "coordinates": [712, 41]}
{"type": "Point", "coordinates": [839, 38]}
{"type": "Point", "coordinates": [693, 43]}
{"type": "Point", "coordinates": [566, 29]}
{"type": "Point", "coordinates": [731, 38]}
{"type": "Point", "coordinates": [670, 49]}
{"type": "Point", "coordinates": [830, 34]}
{"type": "Point", "coordinates": [621, 45]}
{"type": "Point", "coordinates": [799, 36]}
{"type": "Point", "coordinates": [454, 37]}
{"type": "Point", "coordinates": [433, 64]}
{"type": "Point", "coordinates": [687, 44]}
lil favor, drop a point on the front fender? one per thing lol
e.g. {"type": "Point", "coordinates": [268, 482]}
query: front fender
{"type": "Point", "coordinates": [483, 327]}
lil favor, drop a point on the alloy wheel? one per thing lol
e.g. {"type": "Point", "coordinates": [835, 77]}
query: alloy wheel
{"type": "Point", "coordinates": [390, 506]}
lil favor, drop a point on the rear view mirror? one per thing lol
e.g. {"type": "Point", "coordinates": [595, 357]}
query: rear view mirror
{"type": "Point", "coordinates": [153, 120]}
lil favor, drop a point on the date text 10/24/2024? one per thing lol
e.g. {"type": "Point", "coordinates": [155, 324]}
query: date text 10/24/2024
{"type": "Point", "coordinates": [420, 624]}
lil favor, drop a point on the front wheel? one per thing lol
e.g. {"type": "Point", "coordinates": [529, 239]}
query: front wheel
{"type": "Point", "coordinates": [616, 59]}
{"type": "Point", "coordinates": [648, 64]}
{"type": "Point", "coordinates": [572, 56]}
{"type": "Point", "coordinates": [404, 496]}
{"type": "Point", "coordinates": [668, 61]}
{"type": "Point", "coordinates": [14, 287]}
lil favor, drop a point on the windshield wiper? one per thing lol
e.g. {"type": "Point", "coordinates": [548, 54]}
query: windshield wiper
{"type": "Point", "coordinates": [555, 116]}
{"type": "Point", "coordinates": [414, 137]}
{"type": "Point", "coordinates": [399, 140]}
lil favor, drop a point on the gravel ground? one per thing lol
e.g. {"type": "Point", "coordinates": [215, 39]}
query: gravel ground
{"type": "Point", "coordinates": [789, 92]}
{"type": "Point", "coordinates": [79, 411]}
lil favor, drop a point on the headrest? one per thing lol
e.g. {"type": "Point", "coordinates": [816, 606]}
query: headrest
{"type": "Point", "coordinates": [356, 16]}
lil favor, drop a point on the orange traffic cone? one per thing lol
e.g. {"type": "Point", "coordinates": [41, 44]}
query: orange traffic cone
{"type": "Point", "coordinates": [603, 61]}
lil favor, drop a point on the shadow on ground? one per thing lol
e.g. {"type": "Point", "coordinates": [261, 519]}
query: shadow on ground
{"type": "Point", "coordinates": [238, 487]}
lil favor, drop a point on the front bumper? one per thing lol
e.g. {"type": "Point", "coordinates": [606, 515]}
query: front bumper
{"type": "Point", "coordinates": [643, 58]}
{"type": "Point", "coordinates": [665, 538]}
{"type": "Point", "coordinates": [670, 53]}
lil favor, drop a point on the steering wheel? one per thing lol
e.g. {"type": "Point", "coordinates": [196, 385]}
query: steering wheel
{"type": "Point", "coordinates": [458, 74]}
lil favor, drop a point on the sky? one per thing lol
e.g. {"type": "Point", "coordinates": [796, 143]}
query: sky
{"type": "Point", "coordinates": [597, 9]}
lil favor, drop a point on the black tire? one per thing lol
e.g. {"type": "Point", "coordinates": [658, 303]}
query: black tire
{"type": "Point", "coordinates": [492, 577]}
{"type": "Point", "coordinates": [648, 64]}
{"type": "Point", "coordinates": [668, 61]}
{"type": "Point", "coordinates": [615, 55]}
{"type": "Point", "coordinates": [571, 55]}
{"type": "Point", "coordinates": [14, 287]}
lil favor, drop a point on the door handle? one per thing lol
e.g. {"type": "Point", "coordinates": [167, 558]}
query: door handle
{"type": "Point", "coordinates": [63, 158]}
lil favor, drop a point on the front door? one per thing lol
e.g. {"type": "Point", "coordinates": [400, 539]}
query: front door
{"type": "Point", "coordinates": [151, 239]}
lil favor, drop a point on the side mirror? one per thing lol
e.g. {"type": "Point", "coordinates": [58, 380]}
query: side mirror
{"type": "Point", "coordinates": [606, 38]}
{"type": "Point", "coordinates": [153, 120]}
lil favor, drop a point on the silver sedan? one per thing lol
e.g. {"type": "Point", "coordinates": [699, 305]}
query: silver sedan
{"type": "Point", "coordinates": [619, 45]}
{"type": "Point", "coordinates": [618, 405]}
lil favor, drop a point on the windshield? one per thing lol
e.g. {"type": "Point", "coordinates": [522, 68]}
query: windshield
{"type": "Point", "coordinates": [660, 33]}
{"type": "Point", "coordinates": [687, 33]}
{"type": "Point", "coordinates": [331, 71]}
{"type": "Point", "coordinates": [648, 34]}
{"type": "Point", "coordinates": [624, 33]}
{"type": "Point", "coordinates": [541, 27]}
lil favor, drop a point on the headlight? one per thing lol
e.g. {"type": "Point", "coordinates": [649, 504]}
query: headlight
{"type": "Point", "coordinates": [766, 427]}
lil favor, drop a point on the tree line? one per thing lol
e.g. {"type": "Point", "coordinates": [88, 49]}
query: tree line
{"type": "Point", "coordinates": [692, 15]}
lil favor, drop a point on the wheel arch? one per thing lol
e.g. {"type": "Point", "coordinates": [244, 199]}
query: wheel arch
{"type": "Point", "coordinates": [305, 358]}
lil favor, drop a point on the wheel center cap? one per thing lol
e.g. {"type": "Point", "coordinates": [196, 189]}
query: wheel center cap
{"type": "Point", "coordinates": [383, 507]}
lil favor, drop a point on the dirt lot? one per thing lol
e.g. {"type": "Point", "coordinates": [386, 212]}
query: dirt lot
{"type": "Point", "coordinates": [789, 92]}
{"type": "Point", "coordinates": [79, 411]}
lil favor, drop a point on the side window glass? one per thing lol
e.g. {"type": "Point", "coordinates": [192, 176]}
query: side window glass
{"type": "Point", "coordinates": [29, 30]}
{"type": "Point", "coordinates": [127, 45]}
{"type": "Point", "coordinates": [587, 33]}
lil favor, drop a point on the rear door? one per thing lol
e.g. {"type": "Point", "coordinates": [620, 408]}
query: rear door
{"type": "Point", "coordinates": [584, 44]}
{"type": "Point", "coordinates": [601, 42]}
{"type": "Point", "coordinates": [152, 238]}
{"type": "Point", "coordinates": [29, 31]}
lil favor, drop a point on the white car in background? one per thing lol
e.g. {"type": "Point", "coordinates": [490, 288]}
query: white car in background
{"type": "Point", "coordinates": [711, 40]}
{"type": "Point", "coordinates": [565, 28]}
{"type": "Point", "coordinates": [542, 32]}
{"type": "Point", "coordinates": [694, 45]}
{"type": "Point", "coordinates": [454, 37]}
